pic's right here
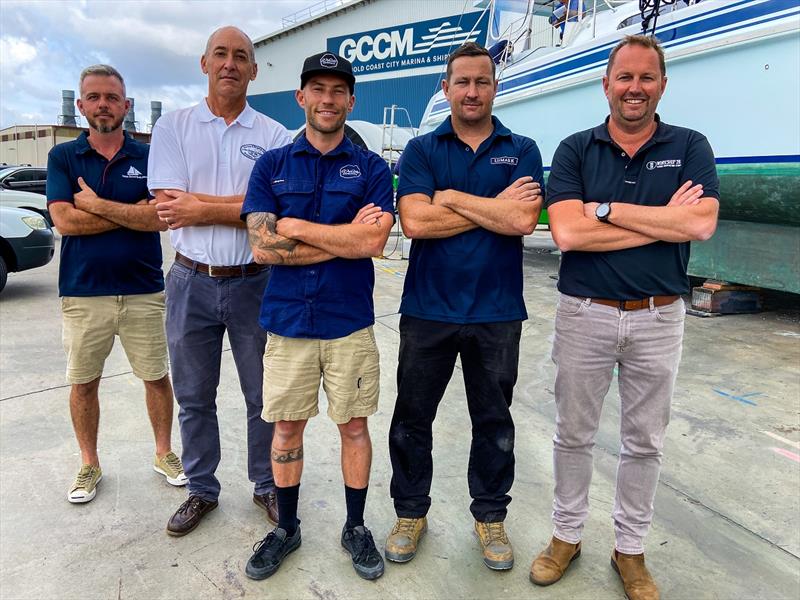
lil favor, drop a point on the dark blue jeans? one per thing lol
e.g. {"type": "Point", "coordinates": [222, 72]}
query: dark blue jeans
{"type": "Point", "coordinates": [489, 357]}
{"type": "Point", "coordinates": [199, 311]}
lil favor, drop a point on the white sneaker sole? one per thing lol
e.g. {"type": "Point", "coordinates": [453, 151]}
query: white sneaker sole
{"type": "Point", "coordinates": [88, 497]}
{"type": "Point", "coordinates": [177, 482]}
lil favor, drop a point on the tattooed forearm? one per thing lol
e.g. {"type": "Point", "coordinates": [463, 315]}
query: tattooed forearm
{"type": "Point", "coordinates": [287, 456]}
{"type": "Point", "coordinates": [264, 239]}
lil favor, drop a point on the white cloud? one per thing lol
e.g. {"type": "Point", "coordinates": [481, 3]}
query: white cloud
{"type": "Point", "coordinates": [156, 45]}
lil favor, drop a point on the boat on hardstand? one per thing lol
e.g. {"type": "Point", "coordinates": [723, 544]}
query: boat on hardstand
{"type": "Point", "coordinates": [732, 71]}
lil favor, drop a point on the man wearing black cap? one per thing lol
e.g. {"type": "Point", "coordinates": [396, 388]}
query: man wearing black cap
{"type": "Point", "coordinates": [317, 210]}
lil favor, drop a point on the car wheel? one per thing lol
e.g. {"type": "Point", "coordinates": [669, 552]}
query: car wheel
{"type": "Point", "coordinates": [3, 273]}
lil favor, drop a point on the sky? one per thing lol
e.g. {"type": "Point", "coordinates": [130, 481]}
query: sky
{"type": "Point", "coordinates": [155, 44]}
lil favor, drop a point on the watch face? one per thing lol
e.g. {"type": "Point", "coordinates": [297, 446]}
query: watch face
{"type": "Point", "coordinates": [602, 211]}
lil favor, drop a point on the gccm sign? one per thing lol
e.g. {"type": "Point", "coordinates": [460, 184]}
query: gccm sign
{"type": "Point", "coordinates": [384, 45]}
{"type": "Point", "coordinates": [407, 46]}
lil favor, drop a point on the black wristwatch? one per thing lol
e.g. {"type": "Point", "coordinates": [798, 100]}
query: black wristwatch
{"type": "Point", "coordinates": [603, 211]}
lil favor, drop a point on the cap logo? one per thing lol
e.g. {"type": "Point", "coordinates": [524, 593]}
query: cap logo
{"type": "Point", "coordinates": [329, 61]}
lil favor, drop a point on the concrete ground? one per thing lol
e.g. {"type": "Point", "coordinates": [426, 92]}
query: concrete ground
{"type": "Point", "coordinates": [727, 522]}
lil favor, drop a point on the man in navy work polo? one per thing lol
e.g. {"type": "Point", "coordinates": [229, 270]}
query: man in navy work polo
{"type": "Point", "coordinates": [200, 162]}
{"type": "Point", "coordinates": [109, 277]}
{"type": "Point", "coordinates": [468, 193]}
{"type": "Point", "coordinates": [624, 199]}
{"type": "Point", "coordinates": [318, 210]}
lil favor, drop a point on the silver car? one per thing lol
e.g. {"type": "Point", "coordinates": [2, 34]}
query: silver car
{"type": "Point", "coordinates": [29, 200]}
{"type": "Point", "coordinates": [26, 241]}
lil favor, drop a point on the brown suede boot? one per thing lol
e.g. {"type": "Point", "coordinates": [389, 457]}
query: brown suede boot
{"type": "Point", "coordinates": [636, 579]}
{"type": "Point", "coordinates": [553, 561]}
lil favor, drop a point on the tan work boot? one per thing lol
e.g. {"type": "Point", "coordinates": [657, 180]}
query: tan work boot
{"type": "Point", "coordinates": [401, 545]}
{"type": "Point", "coordinates": [553, 561]}
{"type": "Point", "coordinates": [636, 579]}
{"type": "Point", "coordinates": [497, 552]}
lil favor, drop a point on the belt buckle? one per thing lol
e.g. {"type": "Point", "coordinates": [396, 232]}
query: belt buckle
{"type": "Point", "coordinates": [213, 271]}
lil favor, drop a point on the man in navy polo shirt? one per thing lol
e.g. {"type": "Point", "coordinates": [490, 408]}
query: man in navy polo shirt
{"type": "Point", "coordinates": [317, 210]}
{"type": "Point", "coordinates": [109, 278]}
{"type": "Point", "coordinates": [468, 193]}
{"type": "Point", "coordinates": [624, 200]}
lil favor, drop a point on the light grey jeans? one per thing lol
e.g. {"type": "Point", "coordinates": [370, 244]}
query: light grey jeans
{"type": "Point", "coordinates": [590, 340]}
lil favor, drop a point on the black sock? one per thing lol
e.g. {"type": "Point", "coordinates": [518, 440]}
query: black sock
{"type": "Point", "coordinates": [287, 507]}
{"type": "Point", "coordinates": [355, 499]}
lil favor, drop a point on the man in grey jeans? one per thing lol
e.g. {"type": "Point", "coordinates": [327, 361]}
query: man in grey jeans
{"type": "Point", "coordinates": [200, 162]}
{"type": "Point", "coordinates": [624, 200]}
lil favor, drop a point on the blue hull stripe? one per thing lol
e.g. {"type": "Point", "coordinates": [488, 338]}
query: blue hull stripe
{"type": "Point", "coordinates": [675, 34]}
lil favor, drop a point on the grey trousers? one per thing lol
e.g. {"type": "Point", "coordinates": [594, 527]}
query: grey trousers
{"type": "Point", "coordinates": [200, 309]}
{"type": "Point", "coordinates": [590, 340]}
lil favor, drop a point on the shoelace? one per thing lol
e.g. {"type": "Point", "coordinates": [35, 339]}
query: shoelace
{"type": "Point", "coordinates": [364, 546]}
{"type": "Point", "coordinates": [268, 541]}
{"type": "Point", "coordinates": [497, 532]}
{"type": "Point", "coordinates": [193, 502]}
{"type": "Point", "coordinates": [173, 462]}
{"type": "Point", "coordinates": [405, 526]}
{"type": "Point", "coordinates": [84, 478]}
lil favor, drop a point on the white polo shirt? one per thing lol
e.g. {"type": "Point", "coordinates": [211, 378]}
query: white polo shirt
{"type": "Point", "coordinates": [193, 150]}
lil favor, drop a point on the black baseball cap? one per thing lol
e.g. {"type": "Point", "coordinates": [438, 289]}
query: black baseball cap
{"type": "Point", "coordinates": [327, 63]}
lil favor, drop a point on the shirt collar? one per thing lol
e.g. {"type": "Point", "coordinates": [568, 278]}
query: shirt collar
{"type": "Point", "coordinates": [663, 132]}
{"type": "Point", "coordinates": [246, 118]}
{"type": "Point", "coordinates": [446, 128]}
{"type": "Point", "coordinates": [302, 145]}
{"type": "Point", "coordinates": [129, 146]}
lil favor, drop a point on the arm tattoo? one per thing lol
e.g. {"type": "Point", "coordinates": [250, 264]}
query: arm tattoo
{"type": "Point", "coordinates": [287, 456]}
{"type": "Point", "coordinates": [263, 236]}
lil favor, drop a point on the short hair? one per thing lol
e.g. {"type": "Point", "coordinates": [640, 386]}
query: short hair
{"type": "Point", "coordinates": [468, 49]}
{"type": "Point", "coordinates": [102, 71]}
{"type": "Point", "coordinates": [251, 49]}
{"type": "Point", "coordinates": [645, 41]}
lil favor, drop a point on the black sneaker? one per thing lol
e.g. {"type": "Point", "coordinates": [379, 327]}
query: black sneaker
{"type": "Point", "coordinates": [367, 561]}
{"type": "Point", "coordinates": [270, 552]}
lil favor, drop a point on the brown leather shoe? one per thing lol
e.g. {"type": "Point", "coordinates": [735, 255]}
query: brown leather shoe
{"type": "Point", "coordinates": [553, 562]}
{"type": "Point", "coordinates": [269, 502]}
{"type": "Point", "coordinates": [636, 579]}
{"type": "Point", "coordinates": [189, 515]}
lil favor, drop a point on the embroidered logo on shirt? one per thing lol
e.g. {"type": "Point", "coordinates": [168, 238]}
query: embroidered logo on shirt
{"type": "Point", "coordinates": [663, 164]}
{"type": "Point", "coordinates": [252, 151]}
{"type": "Point", "coordinates": [350, 172]}
{"type": "Point", "coordinates": [134, 173]}
{"type": "Point", "coordinates": [504, 160]}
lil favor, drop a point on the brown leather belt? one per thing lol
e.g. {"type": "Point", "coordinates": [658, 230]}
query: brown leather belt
{"type": "Point", "coordinates": [214, 271]}
{"type": "Point", "coordinates": [636, 304]}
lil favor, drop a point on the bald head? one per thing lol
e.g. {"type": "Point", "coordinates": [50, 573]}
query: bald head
{"type": "Point", "coordinates": [230, 28]}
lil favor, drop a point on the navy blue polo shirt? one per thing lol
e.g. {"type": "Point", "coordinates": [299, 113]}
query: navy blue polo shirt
{"type": "Point", "coordinates": [474, 276]}
{"type": "Point", "coordinates": [331, 299]}
{"type": "Point", "coordinates": [591, 167]}
{"type": "Point", "coordinates": [119, 262]}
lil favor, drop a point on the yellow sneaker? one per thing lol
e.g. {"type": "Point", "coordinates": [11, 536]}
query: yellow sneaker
{"type": "Point", "coordinates": [85, 487]}
{"type": "Point", "coordinates": [170, 467]}
{"type": "Point", "coordinates": [401, 545]}
{"type": "Point", "coordinates": [497, 552]}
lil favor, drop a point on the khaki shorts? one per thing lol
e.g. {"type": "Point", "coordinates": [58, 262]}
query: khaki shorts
{"type": "Point", "coordinates": [349, 367]}
{"type": "Point", "coordinates": [91, 323]}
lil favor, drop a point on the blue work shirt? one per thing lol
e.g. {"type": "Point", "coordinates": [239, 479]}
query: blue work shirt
{"type": "Point", "coordinates": [474, 276]}
{"type": "Point", "coordinates": [589, 166]}
{"type": "Point", "coordinates": [119, 262]}
{"type": "Point", "coordinates": [331, 299]}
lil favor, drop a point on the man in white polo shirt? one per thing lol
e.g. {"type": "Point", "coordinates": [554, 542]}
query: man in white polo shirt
{"type": "Point", "coordinates": [200, 163]}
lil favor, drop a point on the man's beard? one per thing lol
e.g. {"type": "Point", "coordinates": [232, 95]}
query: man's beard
{"type": "Point", "coordinates": [104, 127]}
